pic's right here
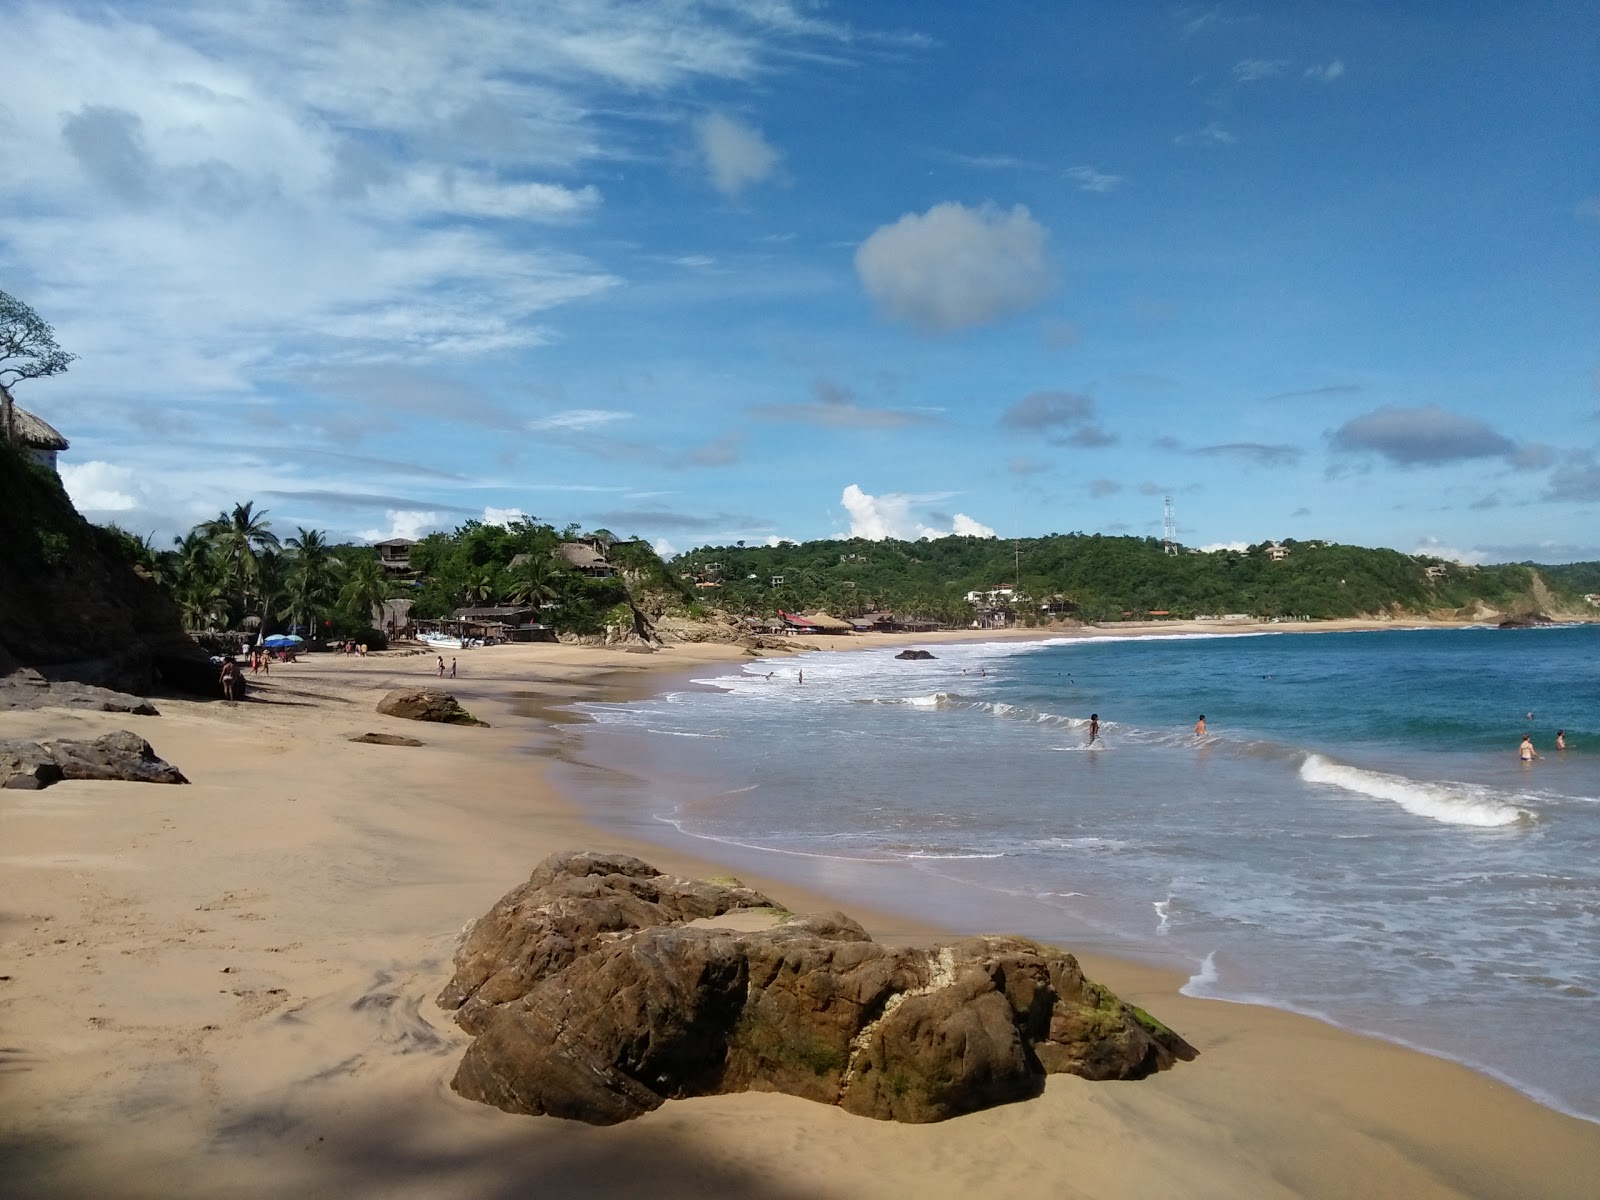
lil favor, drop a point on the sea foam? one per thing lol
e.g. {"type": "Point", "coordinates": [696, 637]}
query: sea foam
{"type": "Point", "coordinates": [1451, 803]}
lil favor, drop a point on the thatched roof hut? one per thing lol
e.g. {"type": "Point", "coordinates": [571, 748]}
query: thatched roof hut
{"type": "Point", "coordinates": [42, 440]}
{"type": "Point", "coordinates": [829, 624]}
{"type": "Point", "coordinates": [585, 559]}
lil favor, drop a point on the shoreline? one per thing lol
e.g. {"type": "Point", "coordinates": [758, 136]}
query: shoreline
{"type": "Point", "coordinates": [227, 988]}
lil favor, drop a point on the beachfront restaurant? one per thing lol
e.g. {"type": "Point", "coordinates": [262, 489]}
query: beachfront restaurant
{"type": "Point", "coordinates": [497, 623]}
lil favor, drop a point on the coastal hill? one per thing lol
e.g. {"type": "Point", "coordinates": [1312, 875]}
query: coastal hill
{"type": "Point", "coordinates": [71, 604]}
{"type": "Point", "coordinates": [1093, 577]}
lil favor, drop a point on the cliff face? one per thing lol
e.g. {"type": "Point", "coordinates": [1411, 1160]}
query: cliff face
{"type": "Point", "coordinates": [71, 607]}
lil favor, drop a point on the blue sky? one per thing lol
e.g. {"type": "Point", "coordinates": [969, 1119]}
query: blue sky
{"type": "Point", "coordinates": [714, 271]}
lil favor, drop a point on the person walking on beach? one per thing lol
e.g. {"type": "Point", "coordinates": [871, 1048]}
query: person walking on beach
{"type": "Point", "coordinates": [1526, 752]}
{"type": "Point", "coordinates": [452, 667]}
{"type": "Point", "coordinates": [1200, 726]}
{"type": "Point", "coordinates": [802, 676]}
{"type": "Point", "coordinates": [1094, 728]}
{"type": "Point", "coordinates": [441, 666]}
{"type": "Point", "coordinates": [230, 679]}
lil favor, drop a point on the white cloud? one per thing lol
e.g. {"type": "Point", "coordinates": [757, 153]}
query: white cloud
{"type": "Point", "coordinates": [890, 516]}
{"type": "Point", "coordinates": [1434, 548]}
{"type": "Point", "coordinates": [214, 190]}
{"type": "Point", "coordinates": [404, 524]}
{"type": "Point", "coordinates": [502, 516]}
{"type": "Point", "coordinates": [736, 155]}
{"type": "Point", "coordinates": [1213, 547]}
{"type": "Point", "coordinates": [1089, 179]}
{"type": "Point", "coordinates": [1253, 69]}
{"type": "Point", "coordinates": [665, 550]}
{"type": "Point", "coordinates": [97, 487]}
{"type": "Point", "coordinates": [1212, 135]}
{"type": "Point", "coordinates": [1326, 74]}
{"type": "Point", "coordinates": [577, 419]}
{"type": "Point", "coordinates": [775, 540]}
{"type": "Point", "coordinates": [955, 267]}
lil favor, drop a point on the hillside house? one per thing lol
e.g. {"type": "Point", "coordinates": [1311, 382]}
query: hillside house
{"type": "Point", "coordinates": [37, 437]}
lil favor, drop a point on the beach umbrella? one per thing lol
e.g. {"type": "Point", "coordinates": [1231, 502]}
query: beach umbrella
{"type": "Point", "coordinates": [279, 640]}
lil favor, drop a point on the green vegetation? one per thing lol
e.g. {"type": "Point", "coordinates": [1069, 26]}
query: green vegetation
{"type": "Point", "coordinates": [233, 572]}
{"type": "Point", "coordinates": [1097, 578]}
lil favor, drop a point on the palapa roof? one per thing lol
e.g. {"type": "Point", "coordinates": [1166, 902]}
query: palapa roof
{"type": "Point", "coordinates": [32, 431]}
{"type": "Point", "coordinates": [823, 620]}
{"type": "Point", "coordinates": [581, 556]}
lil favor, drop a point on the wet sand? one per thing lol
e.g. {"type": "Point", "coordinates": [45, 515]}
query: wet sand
{"type": "Point", "coordinates": [226, 989]}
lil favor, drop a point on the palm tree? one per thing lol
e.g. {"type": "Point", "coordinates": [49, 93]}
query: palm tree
{"type": "Point", "coordinates": [533, 581]}
{"type": "Point", "coordinates": [311, 578]}
{"type": "Point", "coordinates": [480, 586]}
{"type": "Point", "coordinates": [366, 587]}
{"type": "Point", "coordinates": [240, 539]}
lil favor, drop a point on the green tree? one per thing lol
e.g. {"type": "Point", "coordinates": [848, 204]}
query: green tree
{"type": "Point", "coordinates": [533, 581]}
{"type": "Point", "coordinates": [240, 539]}
{"type": "Point", "coordinates": [28, 350]}
{"type": "Point", "coordinates": [312, 582]}
{"type": "Point", "coordinates": [364, 586]}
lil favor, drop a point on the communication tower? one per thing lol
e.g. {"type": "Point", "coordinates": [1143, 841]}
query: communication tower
{"type": "Point", "coordinates": [1169, 530]}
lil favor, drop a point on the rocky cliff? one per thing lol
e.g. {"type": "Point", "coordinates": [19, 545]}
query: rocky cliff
{"type": "Point", "coordinates": [72, 607]}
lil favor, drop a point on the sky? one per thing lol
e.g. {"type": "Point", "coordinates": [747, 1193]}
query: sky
{"type": "Point", "coordinates": [713, 271]}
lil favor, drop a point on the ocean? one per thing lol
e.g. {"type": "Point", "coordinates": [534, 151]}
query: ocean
{"type": "Point", "coordinates": [1353, 839]}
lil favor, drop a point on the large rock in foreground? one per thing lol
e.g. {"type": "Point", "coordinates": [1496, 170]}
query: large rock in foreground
{"type": "Point", "coordinates": [426, 704]}
{"type": "Point", "coordinates": [26, 688]}
{"type": "Point", "coordinates": [120, 755]}
{"type": "Point", "coordinates": [590, 1003]}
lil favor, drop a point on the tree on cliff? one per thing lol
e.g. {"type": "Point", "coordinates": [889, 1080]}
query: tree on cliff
{"type": "Point", "coordinates": [28, 350]}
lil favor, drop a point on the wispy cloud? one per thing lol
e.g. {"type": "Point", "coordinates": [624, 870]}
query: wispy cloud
{"type": "Point", "coordinates": [1252, 70]}
{"type": "Point", "coordinates": [1091, 179]}
{"type": "Point", "coordinates": [1325, 73]}
{"type": "Point", "coordinates": [1212, 134]}
{"type": "Point", "coordinates": [836, 407]}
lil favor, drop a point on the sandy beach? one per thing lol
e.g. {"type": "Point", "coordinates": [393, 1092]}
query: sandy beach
{"type": "Point", "coordinates": [226, 989]}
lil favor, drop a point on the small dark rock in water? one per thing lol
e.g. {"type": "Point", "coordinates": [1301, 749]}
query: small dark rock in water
{"type": "Point", "coordinates": [119, 755]}
{"type": "Point", "coordinates": [1525, 621]}
{"type": "Point", "coordinates": [591, 999]}
{"type": "Point", "coordinates": [426, 704]}
{"type": "Point", "coordinates": [387, 739]}
{"type": "Point", "coordinates": [915, 654]}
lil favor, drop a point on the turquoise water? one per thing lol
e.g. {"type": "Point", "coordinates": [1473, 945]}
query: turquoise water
{"type": "Point", "coordinates": [1354, 838]}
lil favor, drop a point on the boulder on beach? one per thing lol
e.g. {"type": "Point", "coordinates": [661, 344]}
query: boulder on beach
{"type": "Point", "coordinates": [590, 1000]}
{"type": "Point", "coordinates": [26, 688]}
{"type": "Point", "coordinates": [121, 755]}
{"type": "Point", "coordinates": [426, 704]}
{"type": "Point", "coordinates": [387, 739]}
{"type": "Point", "coordinates": [914, 654]}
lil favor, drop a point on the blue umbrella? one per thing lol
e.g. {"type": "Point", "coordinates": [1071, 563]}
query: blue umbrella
{"type": "Point", "coordinates": [278, 640]}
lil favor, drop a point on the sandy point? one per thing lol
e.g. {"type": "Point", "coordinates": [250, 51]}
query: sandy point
{"type": "Point", "coordinates": [226, 989]}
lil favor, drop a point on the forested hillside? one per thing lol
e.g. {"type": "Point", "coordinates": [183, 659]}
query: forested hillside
{"type": "Point", "coordinates": [1097, 578]}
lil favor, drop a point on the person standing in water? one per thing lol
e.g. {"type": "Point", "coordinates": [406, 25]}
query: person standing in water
{"type": "Point", "coordinates": [1561, 739]}
{"type": "Point", "coordinates": [1200, 726]}
{"type": "Point", "coordinates": [1526, 752]}
{"type": "Point", "coordinates": [1094, 728]}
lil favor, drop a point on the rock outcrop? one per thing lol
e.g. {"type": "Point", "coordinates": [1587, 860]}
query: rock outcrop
{"type": "Point", "coordinates": [120, 755]}
{"type": "Point", "coordinates": [914, 654]}
{"type": "Point", "coordinates": [386, 739]}
{"type": "Point", "coordinates": [71, 606]}
{"type": "Point", "coordinates": [426, 704]}
{"type": "Point", "coordinates": [590, 1001]}
{"type": "Point", "coordinates": [26, 688]}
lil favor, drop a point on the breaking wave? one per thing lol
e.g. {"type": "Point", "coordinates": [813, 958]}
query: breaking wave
{"type": "Point", "coordinates": [1451, 803]}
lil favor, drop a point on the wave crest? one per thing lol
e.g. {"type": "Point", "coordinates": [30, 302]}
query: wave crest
{"type": "Point", "coordinates": [1451, 803]}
